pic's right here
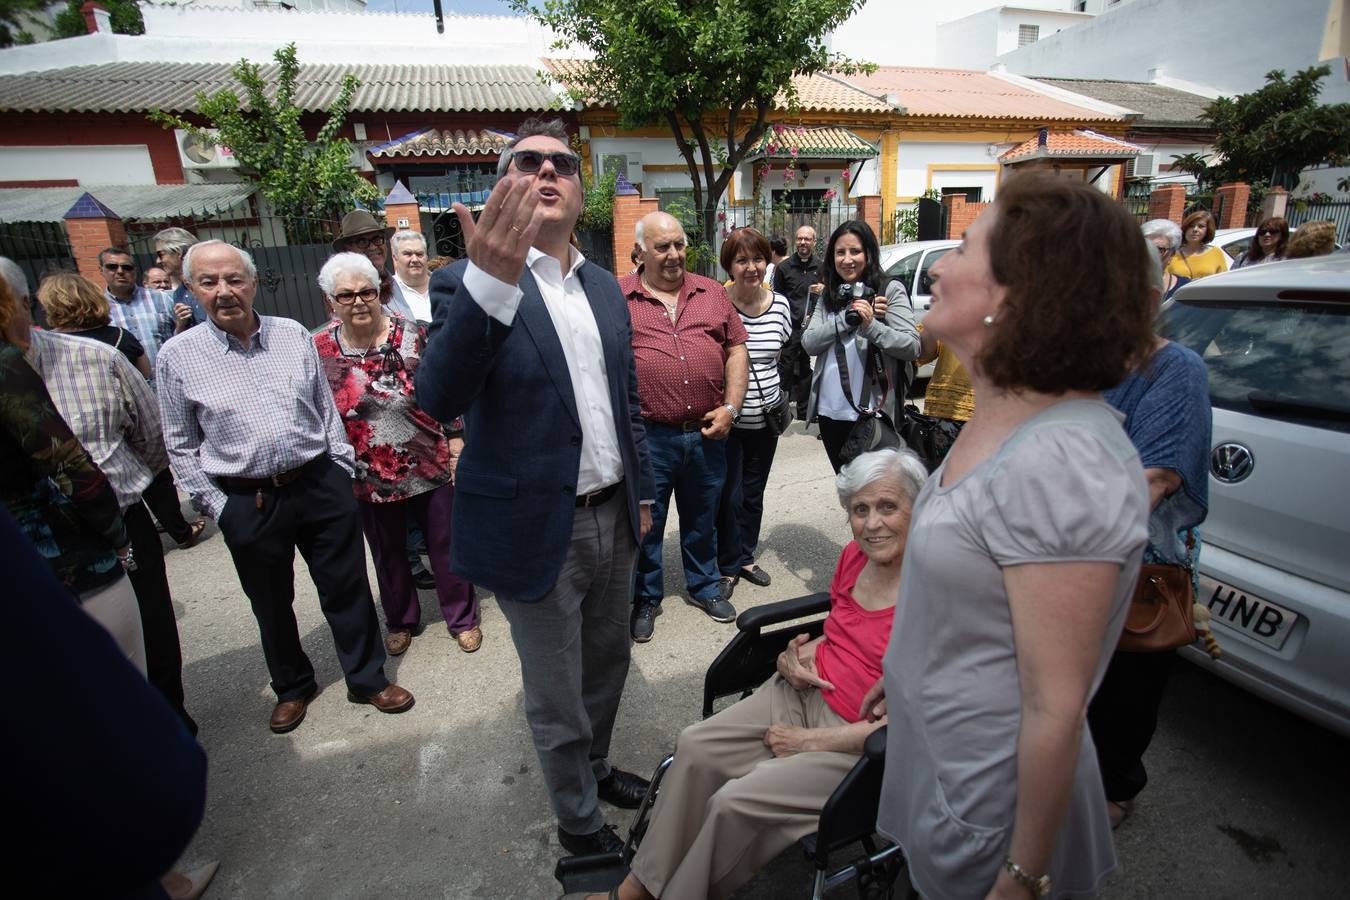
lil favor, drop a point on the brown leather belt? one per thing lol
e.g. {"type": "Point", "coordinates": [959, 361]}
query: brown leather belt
{"type": "Point", "coordinates": [595, 498]}
{"type": "Point", "coordinates": [231, 484]}
{"type": "Point", "coordinates": [687, 425]}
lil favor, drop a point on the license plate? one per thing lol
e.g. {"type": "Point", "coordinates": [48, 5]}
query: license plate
{"type": "Point", "coordinates": [1242, 611]}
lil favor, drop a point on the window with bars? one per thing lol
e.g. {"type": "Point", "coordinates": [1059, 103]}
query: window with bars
{"type": "Point", "coordinates": [1028, 34]}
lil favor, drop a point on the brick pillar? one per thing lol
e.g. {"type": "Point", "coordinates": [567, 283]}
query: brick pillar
{"type": "Point", "coordinates": [92, 227]}
{"type": "Point", "coordinates": [401, 210]}
{"type": "Point", "coordinates": [629, 206]}
{"type": "Point", "coordinates": [869, 211]}
{"type": "Point", "coordinates": [1167, 202]}
{"type": "Point", "coordinates": [954, 212]}
{"type": "Point", "coordinates": [96, 18]}
{"type": "Point", "coordinates": [1230, 202]}
{"type": "Point", "coordinates": [1275, 204]}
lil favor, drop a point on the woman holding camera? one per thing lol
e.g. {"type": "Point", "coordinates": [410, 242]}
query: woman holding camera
{"type": "Point", "coordinates": [858, 336]}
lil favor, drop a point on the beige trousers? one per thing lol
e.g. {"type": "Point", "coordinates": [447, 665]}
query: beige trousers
{"type": "Point", "coordinates": [728, 806]}
{"type": "Point", "coordinates": [114, 607]}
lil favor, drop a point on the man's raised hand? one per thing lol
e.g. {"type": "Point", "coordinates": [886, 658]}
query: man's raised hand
{"type": "Point", "coordinates": [500, 240]}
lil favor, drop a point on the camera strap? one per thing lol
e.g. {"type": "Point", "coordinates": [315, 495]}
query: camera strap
{"type": "Point", "coordinates": [872, 368]}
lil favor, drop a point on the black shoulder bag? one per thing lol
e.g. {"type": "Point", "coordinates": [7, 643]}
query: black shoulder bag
{"type": "Point", "coordinates": [874, 430]}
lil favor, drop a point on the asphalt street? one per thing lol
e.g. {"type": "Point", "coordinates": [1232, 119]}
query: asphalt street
{"type": "Point", "coordinates": [445, 801]}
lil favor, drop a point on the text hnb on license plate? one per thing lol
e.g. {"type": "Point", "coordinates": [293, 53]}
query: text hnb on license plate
{"type": "Point", "coordinates": [1257, 618]}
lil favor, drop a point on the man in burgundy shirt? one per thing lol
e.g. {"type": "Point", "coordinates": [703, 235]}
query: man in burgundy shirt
{"type": "Point", "coordinates": [692, 365]}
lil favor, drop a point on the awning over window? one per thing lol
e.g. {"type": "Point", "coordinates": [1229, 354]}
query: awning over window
{"type": "Point", "coordinates": [434, 142]}
{"type": "Point", "coordinates": [826, 142]}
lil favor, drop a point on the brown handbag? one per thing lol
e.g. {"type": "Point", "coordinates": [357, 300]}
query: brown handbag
{"type": "Point", "coordinates": [1161, 616]}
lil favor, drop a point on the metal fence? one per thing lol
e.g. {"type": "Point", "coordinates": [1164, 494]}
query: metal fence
{"type": "Point", "coordinates": [40, 249]}
{"type": "Point", "coordinates": [1338, 211]}
{"type": "Point", "coordinates": [288, 251]}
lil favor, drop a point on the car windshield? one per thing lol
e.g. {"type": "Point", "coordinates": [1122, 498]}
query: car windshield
{"type": "Point", "coordinates": [1287, 360]}
{"type": "Point", "coordinates": [903, 270]}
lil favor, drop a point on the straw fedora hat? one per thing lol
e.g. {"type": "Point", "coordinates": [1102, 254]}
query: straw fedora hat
{"type": "Point", "coordinates": [356, 223]}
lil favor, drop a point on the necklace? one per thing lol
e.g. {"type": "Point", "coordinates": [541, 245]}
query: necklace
{"type": "Point", "coordinates": [672, 308]}
{"type": "Point", "coordinates": [361, 352]}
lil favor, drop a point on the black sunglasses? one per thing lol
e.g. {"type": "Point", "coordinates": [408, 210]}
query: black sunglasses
{"type": "Point", "coordinates": [347, 298]}
{"type": "Point", "coordinates": [119, 267]}
{"type": "Point", "coordinates": [1264, 231]}
{"type": "Point", "coordinates": [530, 161]}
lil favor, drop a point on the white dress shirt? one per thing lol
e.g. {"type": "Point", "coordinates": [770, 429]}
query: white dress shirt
{"type": "Point", "coordinates": [570, 310]}
{"type": "Point", "coordinates": [418, 301]}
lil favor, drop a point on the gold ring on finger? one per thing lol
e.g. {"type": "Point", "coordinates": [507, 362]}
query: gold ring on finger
{"type": "Point", "coordinates": [516, 229]}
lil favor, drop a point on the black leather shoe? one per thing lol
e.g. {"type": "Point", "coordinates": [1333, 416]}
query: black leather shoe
{"type": "Point", "coordinates": [606, 840]}
{"type": "Point", "coordinates": [644, 621]}
{"type": "Point", "coordinates": [756, 575]}
{"type": "Point", "coordinates": [727, 586]}
{"type": "Point", "coordinates": [622, 789]}
{"type": "Point", "coordinates": [424, 580]}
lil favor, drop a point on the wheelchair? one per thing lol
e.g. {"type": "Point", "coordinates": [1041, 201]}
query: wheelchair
{"type": "Point", "coordinates": [848, 818]}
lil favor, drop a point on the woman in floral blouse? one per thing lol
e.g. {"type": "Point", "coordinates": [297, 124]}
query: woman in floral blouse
{"type": "Point", "coordinates": [405, 457]}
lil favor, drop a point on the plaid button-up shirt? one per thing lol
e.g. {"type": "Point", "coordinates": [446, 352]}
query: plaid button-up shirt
{"type": "Point", "coordinates": [245, 413]}
{"type": "Point", "coordinates": [146, 314]}
{"type": "Point", "coordinates": [108, 406]}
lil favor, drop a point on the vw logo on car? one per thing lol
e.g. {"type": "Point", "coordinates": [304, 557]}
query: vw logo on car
{"type": "Point", "coordinates": [1231, 462]}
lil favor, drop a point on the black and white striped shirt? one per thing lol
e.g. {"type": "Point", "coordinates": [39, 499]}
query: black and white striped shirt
{"type": "Point", "coordinates": [768, 332]}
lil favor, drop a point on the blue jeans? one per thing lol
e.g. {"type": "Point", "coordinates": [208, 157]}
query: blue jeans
{"type": "Point", "coordinates": [694, 468]}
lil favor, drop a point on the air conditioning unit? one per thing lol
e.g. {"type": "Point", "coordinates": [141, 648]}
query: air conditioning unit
{"type": "Point", "coordinates": [1145, 165]}
{"type": "Point", "coordinates": [630, 164]}
{"type": "Point", "coordinates": [196, 153]}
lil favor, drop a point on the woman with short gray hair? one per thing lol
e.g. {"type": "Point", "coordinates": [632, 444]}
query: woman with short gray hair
{"type": "Point", "coordinates": [750, 781]}
{"type": "Point", "coordinates": [405, 460]}
{"type": "Point", "coordinates": [1165, 237]}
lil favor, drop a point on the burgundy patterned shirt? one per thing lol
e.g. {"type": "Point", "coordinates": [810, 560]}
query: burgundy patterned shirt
{"type": "Point", "coordinates": [401, 451]}
{"type": "Point", "coordinates": [681, 368]}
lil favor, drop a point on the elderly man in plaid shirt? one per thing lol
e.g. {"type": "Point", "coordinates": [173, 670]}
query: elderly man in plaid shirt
{"type": "Point", "coordinates": [112, 411]}
{"type": "Point", "coordinates": [254, 436]}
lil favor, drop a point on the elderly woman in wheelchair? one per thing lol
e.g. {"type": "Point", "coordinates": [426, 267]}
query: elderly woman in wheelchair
{"type": "Point", "coordinates": [748, 782]}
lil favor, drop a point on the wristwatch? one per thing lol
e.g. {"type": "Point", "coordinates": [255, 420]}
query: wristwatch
{"type": "Point", "coordinates": [735, 413]}
{"type": "Point", "coordinates": [1039, 887]}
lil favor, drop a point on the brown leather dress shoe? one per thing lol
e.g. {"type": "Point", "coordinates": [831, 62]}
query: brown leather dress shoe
{"type": "Point", "coordinates": [397, 642]}
{"type": "Point", "coordinates": [470, 640]}
{"type": "Point", "coordinates": [393, 699]}
{"type": "Point", "coordinates": [287, 714]}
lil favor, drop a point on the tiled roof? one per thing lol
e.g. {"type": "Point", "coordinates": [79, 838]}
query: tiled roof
{"type": "Point", "coordinates": [129, 201]}
{"type": "Point", "coordinates": [969, 94]}
{"type": "Point", "coordinates": [139, 86]}
{"type": "Point", "coordinates": [815, 93]}
{"type": "Point", "coordinates": [811, 143]}
{"type": "Point", "coordinates": [1158, 105]}
{"type": "Point", "coordinates": [435, 142]}
{"type": "Point", "coordinates": [1072, 145]}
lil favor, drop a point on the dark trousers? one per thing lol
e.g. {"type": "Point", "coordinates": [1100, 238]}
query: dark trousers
{"type": "Point", "coordinates": [794, 371]}
{"type": "Point", "coordinates": [386, 529]}
{"type": "Point", "coordinates": [749, 457]}
{"type": "Point", "coordinates": [316, 513]}
{"type": "Point", "coordinates": [150, 581]}
{"type": "Point", "coordinates": [162, 498]}
{"type": "Point", "coordinates": [1123, 716]}
{"type": "Point", "coordinates": [834, 434]}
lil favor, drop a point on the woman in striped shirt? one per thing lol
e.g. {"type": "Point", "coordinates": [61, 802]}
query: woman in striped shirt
{"type": "Point", "coordinates": [750, 448]}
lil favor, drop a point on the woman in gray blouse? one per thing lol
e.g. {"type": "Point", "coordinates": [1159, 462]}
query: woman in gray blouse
{"type": "Point", "coordinates": [1022, 556]}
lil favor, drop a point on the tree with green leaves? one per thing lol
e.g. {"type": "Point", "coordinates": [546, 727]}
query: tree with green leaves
{"type": "Point", "coordinates": [14, 16]}
{"type": "Point", "coordinates": [125, 18]}
{"type": "Point", "coordinates": [711, 70]}
{"type": "Point", "coordinates": [299, 176]}
{"type": "Point", "coordinates": [1273, 133]}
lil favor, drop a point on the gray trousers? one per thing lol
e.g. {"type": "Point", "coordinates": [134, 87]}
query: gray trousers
{"type": "Point", "coordinates": [574, 647]}
{"type": "Point", "coordinates": [727, 805]}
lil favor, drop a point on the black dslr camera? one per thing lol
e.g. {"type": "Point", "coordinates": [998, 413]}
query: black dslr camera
{"type": "Point", "coordinates": [847, 293]}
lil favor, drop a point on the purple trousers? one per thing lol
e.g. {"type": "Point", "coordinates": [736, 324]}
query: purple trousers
{"type": "Point", "coordinates": [386, 529]}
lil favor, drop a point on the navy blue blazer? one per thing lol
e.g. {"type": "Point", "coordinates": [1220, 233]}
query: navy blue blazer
{"type": "Point", "coordinates": [515, 484]}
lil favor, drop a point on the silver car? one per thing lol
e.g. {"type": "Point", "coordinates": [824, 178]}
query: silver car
{"type": "Point", "coordinates": [1275, 560]}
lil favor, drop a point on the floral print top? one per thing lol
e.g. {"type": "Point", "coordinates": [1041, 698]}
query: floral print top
{"type": "Point", "coordinates": [401, 451]}
{"type": "Point", "coordinates": [55, 491]}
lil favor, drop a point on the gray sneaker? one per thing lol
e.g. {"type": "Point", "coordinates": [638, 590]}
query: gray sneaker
{"type": "Point", "coordinates": [718, 608]}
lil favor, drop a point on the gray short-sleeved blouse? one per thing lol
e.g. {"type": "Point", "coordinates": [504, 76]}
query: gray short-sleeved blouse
{"type": "Point", "coordinates": [1067, 485]}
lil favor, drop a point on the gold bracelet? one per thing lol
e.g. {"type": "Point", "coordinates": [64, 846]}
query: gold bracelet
{"type": "Point", "coordinates": [1039, 887]}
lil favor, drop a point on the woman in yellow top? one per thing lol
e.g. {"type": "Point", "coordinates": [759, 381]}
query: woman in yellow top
{"type": "Point", "coordinates": [1197, 256]}
{"type": "Point", "coordinates": [949, 395]}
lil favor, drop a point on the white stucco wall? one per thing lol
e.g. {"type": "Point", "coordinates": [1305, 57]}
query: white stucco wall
{"type": "Point", "coordinates": [1229, 44]}
{"type": "Point", "coordinates": [915, 158]}
{"type": "Point", "coordinates": [973, 42]}
{"type": "Point", "coordinates": [124, 164]}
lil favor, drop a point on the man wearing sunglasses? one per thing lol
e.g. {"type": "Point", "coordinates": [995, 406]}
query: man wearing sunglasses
{"type": "Point", "coordinates": [360, 233]}
{"type": "Point", "coordinates": [146, 313]}
{"type": "Point", "coordinates": [532, 344]}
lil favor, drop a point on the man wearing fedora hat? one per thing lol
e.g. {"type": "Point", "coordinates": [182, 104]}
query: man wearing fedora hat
{"type": "Point", "coordinates": [360, 233]}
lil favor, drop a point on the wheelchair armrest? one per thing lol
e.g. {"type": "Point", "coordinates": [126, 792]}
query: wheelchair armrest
{"type": "Point", "coordinates": [759, 617]}
{"type": "Point", "coordinates": [875, 745]}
